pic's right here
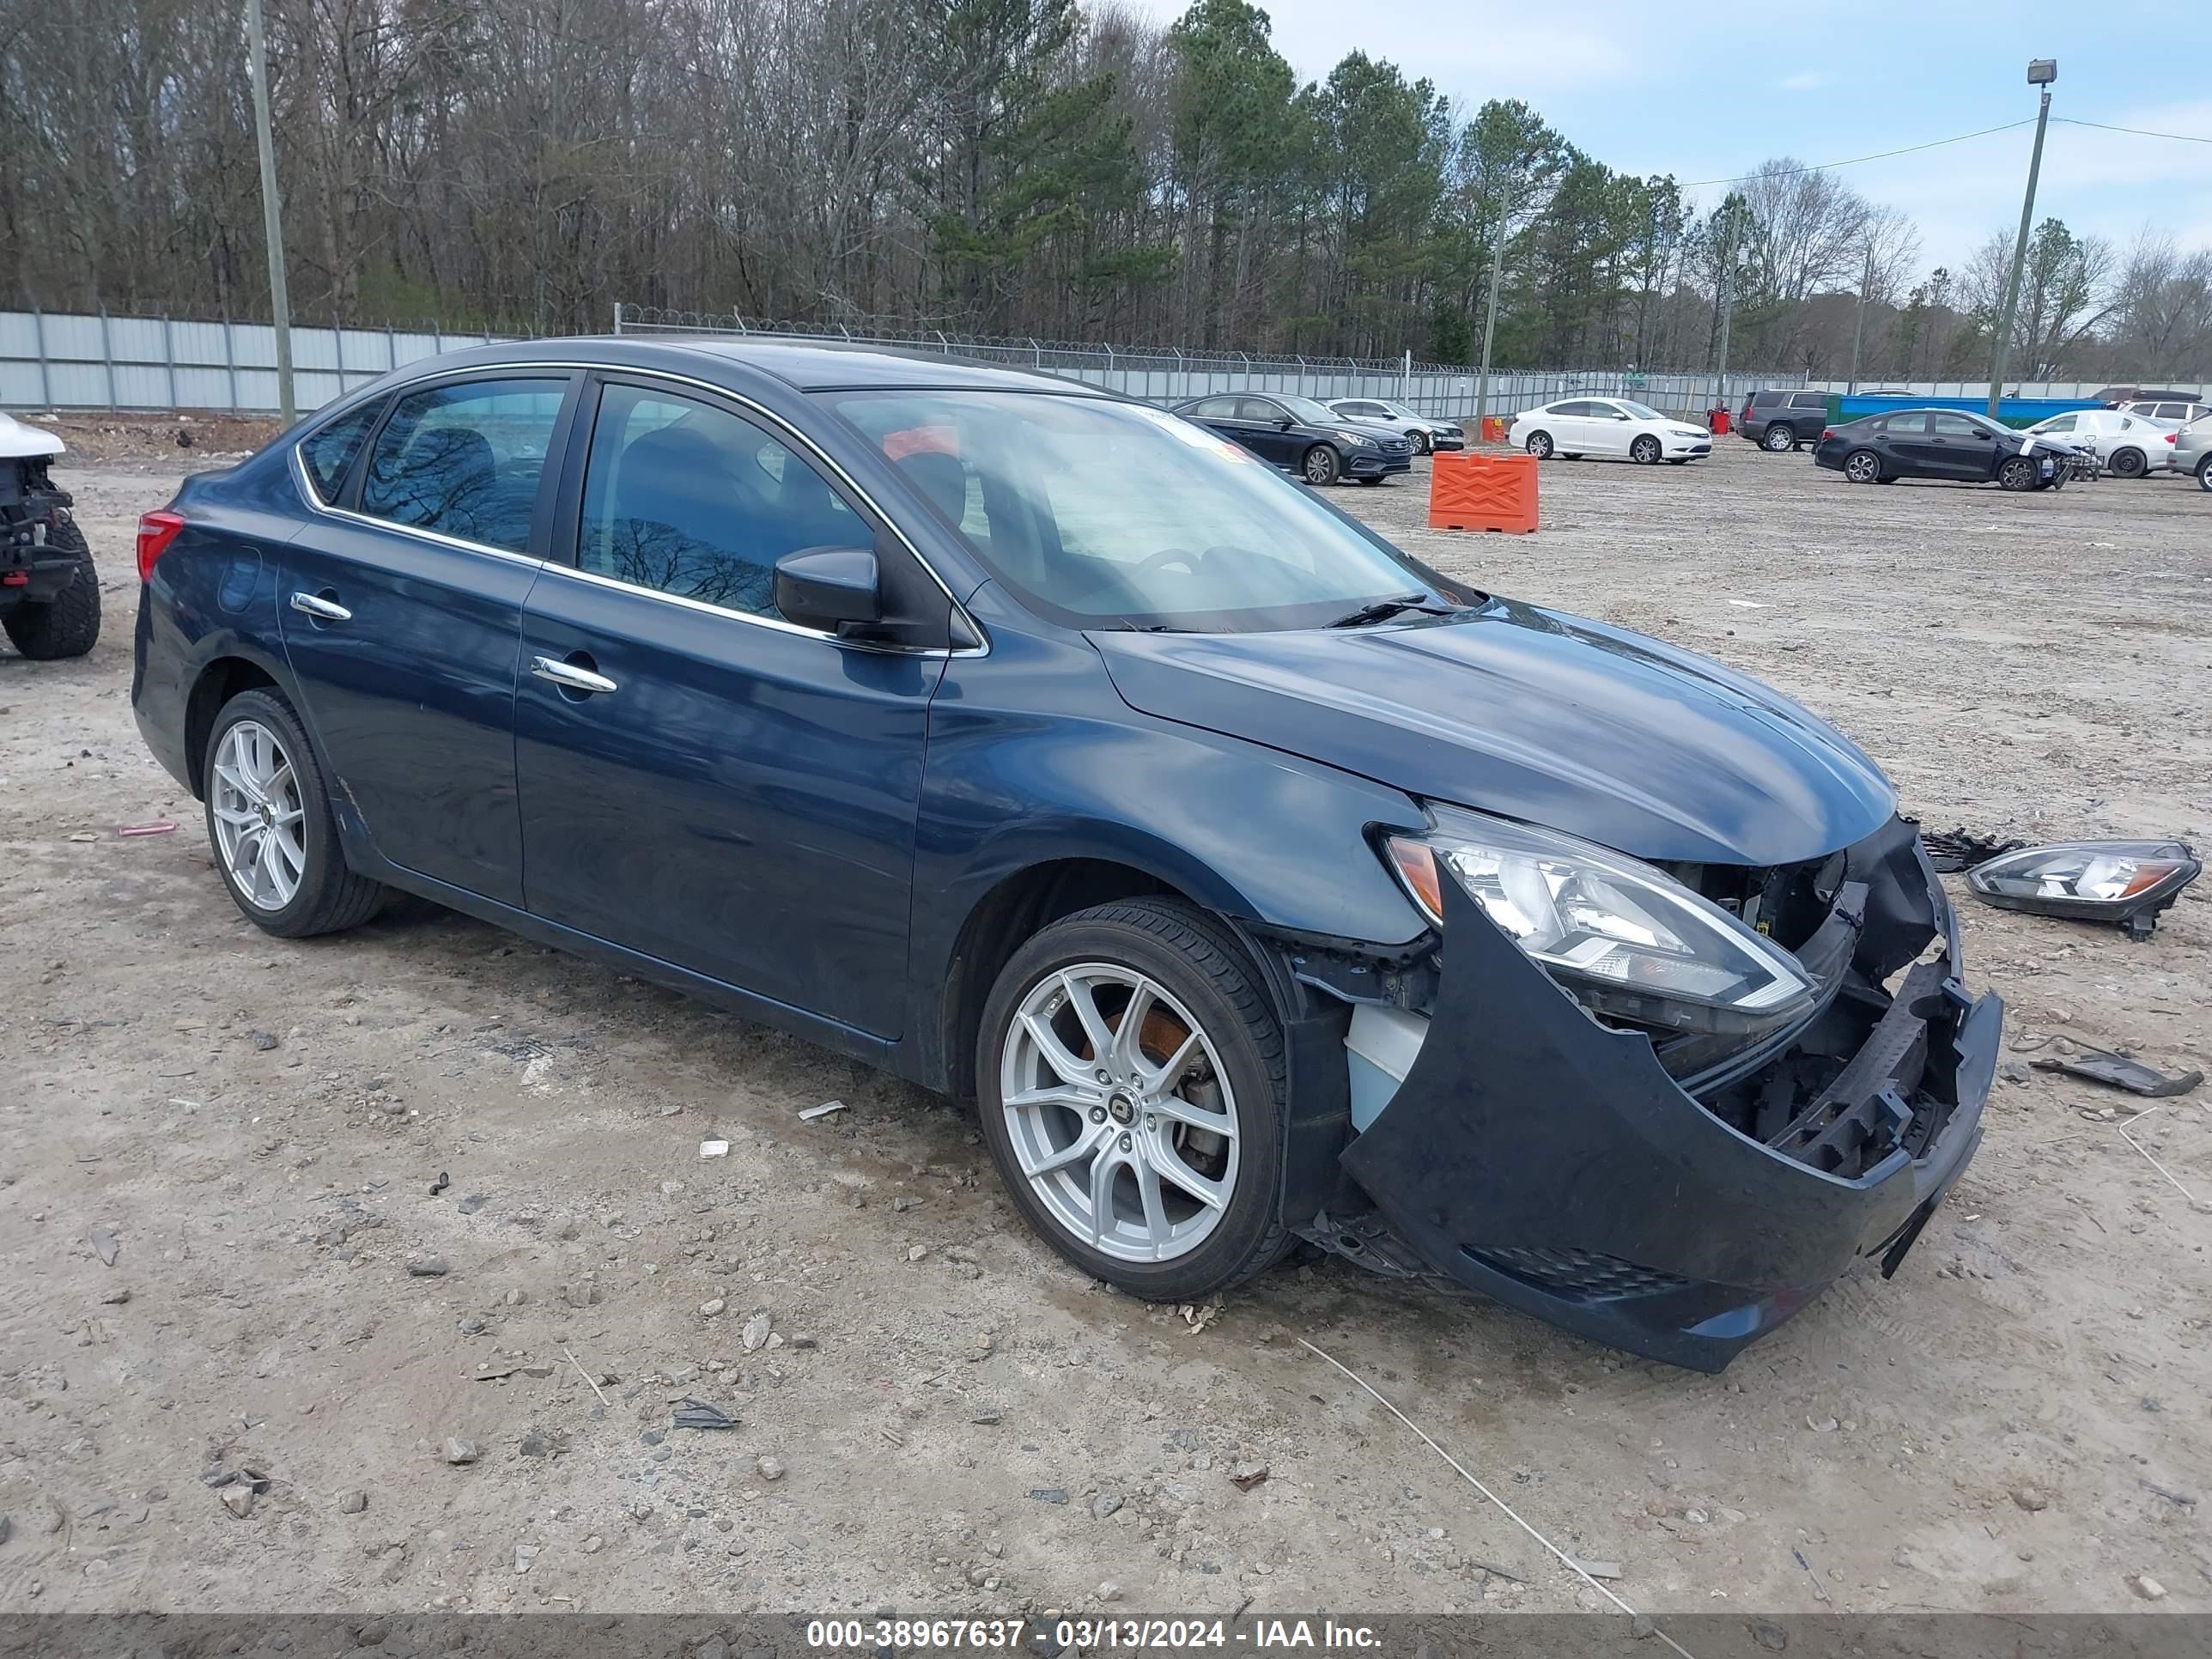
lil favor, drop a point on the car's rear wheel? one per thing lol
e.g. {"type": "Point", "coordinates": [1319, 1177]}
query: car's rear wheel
{"type": "Point", "coordinates": [67, 625]}
{"type": "Point", "coordinates": [1132, 1077]}
{"type": "Point", "coordinates": [1779, 438]}
{"type": "Point", "coordinates": [1862, 466]}
{"type": "Point", "coordinates": [269, 820]}
{"type": "Point", "coordinates": [1540, 446]}
{"type": "Point", "coordinates": [2018, 473]}
{"type": "Point", "coordinates": [1320, 465]}
{"type": "Point", "coordinates": [2128, 464]}
{"type": "Point", "coordinates": [2204, 473]}
{"type": "Point", "coordinates": [1644, 452]}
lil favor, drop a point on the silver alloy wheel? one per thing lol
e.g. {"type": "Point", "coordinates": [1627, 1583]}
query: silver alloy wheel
{"type": "Point", "coordinates": [259, 819]}
{"type": "Point", "coordinates": [1540, 445]}
{"type": "Point", "coordinates": [1320, 465]}
{"type": "Point", "coordinates": [1863, 467]}
{"type": "Point", "coordinates": [2204, 473]}
{"type": "Point", "coordinates": [1779, 438]}
{"type": "Point", "coordinates": [1420, 442]}
{"type": "Point", "coordinates": [1119, 1112]}
{"type": "Point", "coordinates": [1644, 450]}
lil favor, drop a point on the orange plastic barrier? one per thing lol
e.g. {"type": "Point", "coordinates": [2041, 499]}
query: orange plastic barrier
{"type": "Point", "coordinates": [1474, 491]}
{"type": "Point", "coordinates": [1493, 428]}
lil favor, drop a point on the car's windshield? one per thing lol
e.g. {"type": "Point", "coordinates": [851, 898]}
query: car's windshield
{"type": "Point", "coordinates": [1308, 411]}
{"type": "Point", "coordinates": [1642, 411]}
{"type": "Point", "coordinates": [1100, 514]}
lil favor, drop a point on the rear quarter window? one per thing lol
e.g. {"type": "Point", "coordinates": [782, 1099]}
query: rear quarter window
{"type": "Point", "coordinates": [328, 451]}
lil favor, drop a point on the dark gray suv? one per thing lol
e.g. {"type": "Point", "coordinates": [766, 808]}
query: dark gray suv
{"type": "Point", "coordinates": [1782, 419]}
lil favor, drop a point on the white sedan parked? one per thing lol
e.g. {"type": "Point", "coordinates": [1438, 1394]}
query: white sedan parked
{"type": "Point", "coordinates": [2126, 446]}
{"type": "Point", "coordinates": [1613, 427]}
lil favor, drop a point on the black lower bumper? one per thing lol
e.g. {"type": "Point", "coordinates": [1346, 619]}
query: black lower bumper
{"type": "Point", "coordinates": [1555, 1165]}
{"type": "Point", "coordinates": [1369, 465]}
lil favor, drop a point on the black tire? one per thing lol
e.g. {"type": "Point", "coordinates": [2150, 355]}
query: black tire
{"type": "Point", "coordinates": [1377, 479]}
{"type": "Point", "coordinates": [2204, 473]}
{"type": "Point", "coordinates": [69, 624]}
{"type": "Point", "coordinates": [330, 897]}
{"type": "Point", "coordinates": [1420, 442]}
{"type": "Point", "coordinates": [1200, 964]}
{"type": "Point", "coordinates": [1678, 460]}
{"type": "Point", "coordinates": [1863, 466]}
{"type": "Point", "coordinates": [1646, 451]}
{"type": "Point", "coordinates": [1778, 437]}
{"type": "Point", "coordinates": [1540, 446]}
{"type": "Point", "coordinates": [2128, 464]}
{"type": "Point", "coordinates": [1321, 467]}
{"type": "Point", "coordinates": [2018, 473]}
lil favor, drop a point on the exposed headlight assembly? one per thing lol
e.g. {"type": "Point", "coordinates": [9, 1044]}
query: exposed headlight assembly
{"type": "Point", "coordinates": [2128, 882]}
{"type": "Point", "coordinates": [1628, 940]}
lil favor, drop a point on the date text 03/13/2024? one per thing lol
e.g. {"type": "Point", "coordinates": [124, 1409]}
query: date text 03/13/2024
{"type": "Point", "coordinates": [984, 1635]}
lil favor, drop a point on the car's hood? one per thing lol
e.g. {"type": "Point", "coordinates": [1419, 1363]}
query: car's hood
{"type": "Point", "coordinates": [1513, 709]}
{"type": "Point", "coordinates": [20, 441]}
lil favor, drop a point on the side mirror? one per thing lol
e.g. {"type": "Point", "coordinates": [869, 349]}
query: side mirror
{"type": "Point", "coordinates": [1283, 423]}
{"type": "Point", "coordinates": [836, 589]}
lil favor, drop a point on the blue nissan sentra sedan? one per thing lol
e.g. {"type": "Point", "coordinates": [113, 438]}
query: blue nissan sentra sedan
{"type": "Point", "coordinates": [1257, 882]}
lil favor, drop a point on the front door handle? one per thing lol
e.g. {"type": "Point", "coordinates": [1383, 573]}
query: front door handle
{"type": "Point", "coordinates": [567, 675]}
{"type": "Point", "coordinates": [321, 610]}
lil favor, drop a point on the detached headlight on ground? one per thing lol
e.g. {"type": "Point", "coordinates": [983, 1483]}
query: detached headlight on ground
{"type": "Point", "coordinates": [2128, 882]}
{"type": "Point", "coordinates": [1627, 939]}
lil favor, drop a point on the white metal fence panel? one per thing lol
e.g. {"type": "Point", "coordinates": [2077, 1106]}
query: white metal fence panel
{"type": "Point", "coordinates": [49, 361]}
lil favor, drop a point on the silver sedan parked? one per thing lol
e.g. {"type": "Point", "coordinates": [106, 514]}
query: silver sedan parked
{"type": "Point", "coordinates": [2192, 452]}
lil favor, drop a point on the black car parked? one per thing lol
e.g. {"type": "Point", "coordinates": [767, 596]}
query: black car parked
{"type": "Point", "coordinates": [1302, 437]}
{"type": "Point", "coordinates": [1946, 444]}
{"type": "Point", "coordinates": [1782, 419]}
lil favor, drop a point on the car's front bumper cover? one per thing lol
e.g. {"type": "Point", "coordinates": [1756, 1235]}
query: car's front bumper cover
{"type": "Point", "coordinates": [1554, 1164]}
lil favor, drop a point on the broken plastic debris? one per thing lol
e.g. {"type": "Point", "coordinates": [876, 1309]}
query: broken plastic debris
{"type": "Point", "coordinates": [145, 828]}
{"type": "Point", "coordinates": [2102, 1065]}
{"type": "Point", "coordinates": [695, 1414]}
{"type": "Point", "coordinates": [713, 1149]}
{"type": "Point", "coordinates": [823, 1110]}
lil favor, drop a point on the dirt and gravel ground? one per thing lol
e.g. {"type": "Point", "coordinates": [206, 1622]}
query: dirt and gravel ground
{"type": "Point", "coordinates": [934, 1414]}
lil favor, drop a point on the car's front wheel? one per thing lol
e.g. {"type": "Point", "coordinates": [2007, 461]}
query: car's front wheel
{"type": "Point", "coordinates": [1862, 466]}
{"type": "Point", "coordinates": [269, 820]}
{"type": "Point", "coordinates": [2018, 474]}
{"type": "Point", "coordinates": [1644, 452]}
{"type": "Point", "coordinates": [1779, 438]}
{"type": "Point", "coordinates": [1132, 1077]}
{"type": "Point", "coordinates": [1540, 446]}
{"type": "Point", "coordinates": [1420, 442]}
{"type": "Point", "coordinates": [1320, 465]}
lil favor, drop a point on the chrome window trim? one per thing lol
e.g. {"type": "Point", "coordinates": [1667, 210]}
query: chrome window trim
{"type": "Point", "coordinates": [758, 412]}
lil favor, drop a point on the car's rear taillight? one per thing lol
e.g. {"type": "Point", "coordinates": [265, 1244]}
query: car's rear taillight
{"type": "Point", "coordinates": [155, 531]}
{"type": "Point", "coordinates": [1826, 432]}
{"type": "Point", "coordinates": [2171, 436]}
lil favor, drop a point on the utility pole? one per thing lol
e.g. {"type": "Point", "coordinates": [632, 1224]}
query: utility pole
{"type": "Point", "coordinates": [1728, 303]}
{"type": "Point", "coordinates": [2041, 72]}
{"type": "Point", "coordinates": [1858, 329]}
{"type": "Point", "coordinates": [273, 213]}
{"type": "Point", "coordinates": [1490, 323]}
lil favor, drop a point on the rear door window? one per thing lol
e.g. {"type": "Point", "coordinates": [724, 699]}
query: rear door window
{"type": "Point", "coordinates": [464, 459]}
{"type": "Point", "coordinates": [1809, 400]}
{"type": "Point", "coordinates": [1570, 411]}
{"type": "Point", "coordinates": [2059, 423]}
{"type": "Point", "coordinates": [1214, 409]}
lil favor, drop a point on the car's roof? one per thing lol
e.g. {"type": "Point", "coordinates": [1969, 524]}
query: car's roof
{"type": "Point", "coordinates": [803, 364]}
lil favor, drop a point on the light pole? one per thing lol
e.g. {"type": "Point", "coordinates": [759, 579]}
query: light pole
{"type": "Point", "coordinates": [2041, 72]}
{"type": "Point", "coordinates": [272, 219]}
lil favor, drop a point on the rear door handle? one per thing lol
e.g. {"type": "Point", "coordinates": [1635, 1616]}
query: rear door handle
{"type": "Point", "coordinates": [569, 675]}
{"type": "Point", "coordinates": [322, 610]}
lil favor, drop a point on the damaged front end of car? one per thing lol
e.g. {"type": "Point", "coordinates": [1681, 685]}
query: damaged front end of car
{"type": "Point", "coordinates": [1670, 1160]}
